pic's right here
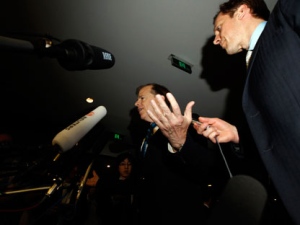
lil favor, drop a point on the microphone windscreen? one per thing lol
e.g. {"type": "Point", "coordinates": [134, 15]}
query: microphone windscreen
{"type": "Point", "coordinates": [242, 202]}
{"type": "Point", "coordinates": [77, 55]}
{"type": "Point", "coordinates": [67, 138]}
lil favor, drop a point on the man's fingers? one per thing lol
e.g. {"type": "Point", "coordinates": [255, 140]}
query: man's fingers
{"type": "Point", "coordinates": [188, 110]}
{"type": "Point", "coordinates": [174, 104]}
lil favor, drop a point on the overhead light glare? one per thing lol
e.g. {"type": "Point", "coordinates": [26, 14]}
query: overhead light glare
{"type": "Point", "coordinates": [89, 100]}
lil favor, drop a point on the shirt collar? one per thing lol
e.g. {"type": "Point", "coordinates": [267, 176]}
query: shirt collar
{"type": "Point", "coordinates": [256, 34]}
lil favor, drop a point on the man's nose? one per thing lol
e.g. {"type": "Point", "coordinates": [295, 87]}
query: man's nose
{"type": "Point", "coordinates": [217, 40]}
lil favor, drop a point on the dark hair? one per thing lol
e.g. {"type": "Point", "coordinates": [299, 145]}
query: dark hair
{"type": "Point", "coordinates": [126, 155]}
{"type": "Point", "coordinates": [258, 8]}
{"type": "Point", "coordinates": [156, 89]}
{"type": "Point", "coordinates": [131, 158]}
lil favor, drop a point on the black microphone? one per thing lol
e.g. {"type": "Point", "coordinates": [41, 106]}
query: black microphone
{"type": "Point", "coordinates": [242, 202]}
{"type": "Point", "coordinates": [77, 55]}
{"type": "Point", "coordinates": [71, 54]}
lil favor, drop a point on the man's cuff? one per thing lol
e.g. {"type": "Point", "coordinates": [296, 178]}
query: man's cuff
{"type": "Point", "coordinates": [172, 149]}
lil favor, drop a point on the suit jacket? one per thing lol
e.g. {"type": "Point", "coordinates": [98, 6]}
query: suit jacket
{"type": "Point", "coordinates": [171, 184]}
{"type": "Point", "coordinates": [271, 101]}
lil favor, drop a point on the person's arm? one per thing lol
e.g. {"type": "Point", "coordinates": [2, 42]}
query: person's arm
{"type": "Point", "coordinates": [187, 151]}
{"type": "Point", "coordinates": [198, 159]}
{"type": "Point", "coordinates": [219, 130]}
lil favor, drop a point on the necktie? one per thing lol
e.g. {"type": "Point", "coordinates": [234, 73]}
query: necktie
{"type": "Point", "coordinates": [148, 135]}
{"type": "Point", "coordinates": [248, 56]}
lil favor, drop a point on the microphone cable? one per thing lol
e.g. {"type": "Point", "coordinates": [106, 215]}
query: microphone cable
{"type": "Point", "coordinates": [223, 156]}
{"type": "Point", "coordinates": [220, 148]}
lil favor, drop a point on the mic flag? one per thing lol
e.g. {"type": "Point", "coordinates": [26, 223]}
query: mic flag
{"type": "Point", "coordinates": [242, 202]}
{"type": "Point", "coordinates": [67, 138]}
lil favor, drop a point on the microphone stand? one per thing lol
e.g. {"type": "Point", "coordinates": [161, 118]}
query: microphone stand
{"type": "Point", "coordinates": [16, 45]}
{"type": "Point", "coordinates": [25, 190]}
{"type": "Point", "coordinates": [84, 179]}
{"type": "Point", "coordinates": [43, 46]}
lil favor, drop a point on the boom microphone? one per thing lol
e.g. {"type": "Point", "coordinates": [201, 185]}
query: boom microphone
{"type": "Point", "coordinates": [71, 54]}
{"type": "Point", "coordinates": [67, 138]}
{"type": "Point", "coordinates": [242, 202]}
{"type": "Point", "coordinates": [77, 55]}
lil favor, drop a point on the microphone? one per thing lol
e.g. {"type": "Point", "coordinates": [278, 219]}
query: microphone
{"type": "Point", "coordinates": [76, 55]}
{"type": "Point", "coordinates": [67, 138]}
{"type": "Point", "coordinates": [71, 54]}
{"type": "Point", "coordinates": [242, 202]}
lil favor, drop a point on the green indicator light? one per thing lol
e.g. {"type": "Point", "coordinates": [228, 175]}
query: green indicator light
{"type": "Point", "coordinates": [182, 64]}
{"type": "Point", "coordinates": [117, 136]}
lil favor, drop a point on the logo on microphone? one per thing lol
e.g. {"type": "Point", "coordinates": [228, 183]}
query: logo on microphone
{"type": "Point", "coordinates": [106, 56]}
{"type": "Point", "coordinates": [75, 123]}
{"type": "Point", "coordinates": [90, 113]}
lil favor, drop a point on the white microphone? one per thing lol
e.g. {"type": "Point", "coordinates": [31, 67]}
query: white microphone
{"type": "Point", "coordinates": [67, 138]}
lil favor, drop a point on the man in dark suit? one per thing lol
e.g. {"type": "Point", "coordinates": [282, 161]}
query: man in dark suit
{"type": "Point", "coordinates": [173, 172]}
{"type": "Point", "coordinates": [271, 94]}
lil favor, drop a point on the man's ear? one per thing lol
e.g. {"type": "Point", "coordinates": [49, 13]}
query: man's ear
{"type": "Point", "coordinates": [242, 11]}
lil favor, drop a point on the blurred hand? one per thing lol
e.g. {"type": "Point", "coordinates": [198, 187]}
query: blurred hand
{"type": "Point", "coordinates": [215, 127]}
{"type": "Point", "coordinates": [93, 180]}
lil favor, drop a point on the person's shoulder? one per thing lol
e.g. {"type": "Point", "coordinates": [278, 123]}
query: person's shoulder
{"type": "Point", "coordinates": [290, 8]}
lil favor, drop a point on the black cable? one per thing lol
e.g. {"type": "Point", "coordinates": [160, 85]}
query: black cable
{"type": "Point", "coordinates": [223, 156]}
